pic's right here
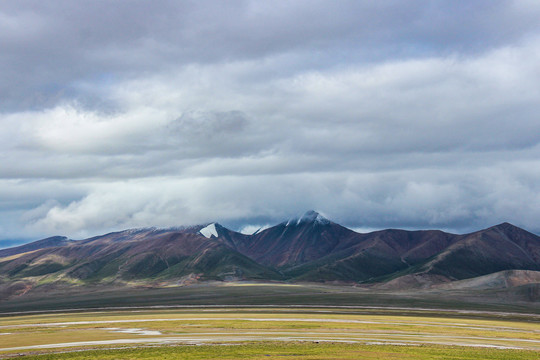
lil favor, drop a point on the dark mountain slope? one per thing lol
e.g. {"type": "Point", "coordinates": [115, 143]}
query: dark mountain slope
{"type": "Point", "coordinates": [147, 255]}
{"type": "Point", "coordinates": [309, 248]}
{"type": "Point", "coordinates": [296, 241]}
{"type": "Point", "coordinates": [501, 247]}
{"type": "Point", "coordinates": [36, 245]}
{"type": "Point", "coordinates": [374, 255]}
{"type": "Point", "coordinates": [387, 254]}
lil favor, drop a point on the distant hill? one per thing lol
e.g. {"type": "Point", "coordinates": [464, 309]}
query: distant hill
{"type": "Point", "coordinates": [310, 248]}
{"type": "Point", "coordinates": [36, 245]}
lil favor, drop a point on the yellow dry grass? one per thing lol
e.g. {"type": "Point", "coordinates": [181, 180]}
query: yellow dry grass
{"type": "Point", "coordinates": [16, 256]}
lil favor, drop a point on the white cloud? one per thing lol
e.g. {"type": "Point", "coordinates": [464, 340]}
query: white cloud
{"type": "Point", "coordinates": [379, 115]}
{"type": "Point", "coordinates": [430, 198]}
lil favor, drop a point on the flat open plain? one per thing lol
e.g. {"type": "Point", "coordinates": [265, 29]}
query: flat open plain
{"type": "Point", "coordinates": [263, 332]}
{"type": "Point", "coordinates": [267, 321]}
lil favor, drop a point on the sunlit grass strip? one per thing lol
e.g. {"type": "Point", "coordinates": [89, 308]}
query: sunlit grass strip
{"type": "Point", "coordinates": [295, 351]}
{"type": "Point", "coordinates": [92, 329]}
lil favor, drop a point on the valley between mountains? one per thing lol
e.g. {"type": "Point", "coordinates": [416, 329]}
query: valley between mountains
{"type": "Point", "coordinates": [309, 249]}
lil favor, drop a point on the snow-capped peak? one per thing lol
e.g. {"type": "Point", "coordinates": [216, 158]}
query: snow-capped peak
{"type": "Point", "coordinates": [310, 216]}
{"type": "Point", "coordinates": [209, 231]}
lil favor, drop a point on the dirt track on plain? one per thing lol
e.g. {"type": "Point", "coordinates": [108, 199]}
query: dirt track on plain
{"type": "Point", "coordinates": [390, 330]}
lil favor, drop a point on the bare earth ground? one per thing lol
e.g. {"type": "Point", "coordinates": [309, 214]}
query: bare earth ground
{"type": "Point", "coordinates": [299, 319]}
{"type": "Point", "coordinates": [58, 332]}
{"type": "Point", "coordinates": [57, 297]}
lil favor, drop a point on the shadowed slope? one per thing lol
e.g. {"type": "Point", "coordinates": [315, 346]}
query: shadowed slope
{"type": "Point", "coordinates": [296, 241]}
{"type": "Point", "coordinates": [501, 247]}
{"type": "Point", "coordinates": [147, 255]}
{"type": "Point", "coordinates": [308, 248]}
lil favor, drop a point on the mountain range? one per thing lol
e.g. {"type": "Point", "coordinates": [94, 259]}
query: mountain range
{"type": "Point", "coordinates": [310, 248]}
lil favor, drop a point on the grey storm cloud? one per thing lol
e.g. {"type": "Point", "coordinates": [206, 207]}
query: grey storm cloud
{"type": "Point", "coordinates": [51, 49]}
{"type": "Point", "coordinates": [414, 114]}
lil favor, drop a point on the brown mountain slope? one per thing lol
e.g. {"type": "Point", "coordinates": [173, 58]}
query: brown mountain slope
{"type": "Point", "coordinates": [148, 255]}
{"type": "Point", "coordinates": [501, 247]}
{"type": "Point", "coordinates": [375, 255]}
{"type": "Point", "coordinates": [296, 241]}
{"type": "Point", "coordinates": [499, 280]}
{"type": "Point", "coordinates": [309, 248]}
{"type": "Point", "coordinates": [36, 245]}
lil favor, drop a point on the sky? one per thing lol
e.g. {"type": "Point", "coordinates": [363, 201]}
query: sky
{"type": "Point", "coordinates": [379, 114]}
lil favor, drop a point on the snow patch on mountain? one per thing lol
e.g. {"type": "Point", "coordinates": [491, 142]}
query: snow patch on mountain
{"type": "Point", "coordinates": [262, 228]}
{"type": "Point", "coordinates": [312, 217]}
{"type": "Point", "coordinates": [253, 229]}
{"type": "Point", "coordinates": [209, 231]}
{"type": "Point", "coordinates": [309, 217]}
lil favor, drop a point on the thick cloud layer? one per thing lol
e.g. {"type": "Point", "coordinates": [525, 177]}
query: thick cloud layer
{"type": "Point", "coordinates": [421, 114]}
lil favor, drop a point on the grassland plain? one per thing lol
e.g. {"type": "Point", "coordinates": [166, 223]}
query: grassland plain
{"type": "Point", "coordinates": [266, 333]}
{"type": "Point", "coordinates": [48, 297]}
{"type": "Point", "coordinates": [275, 351]}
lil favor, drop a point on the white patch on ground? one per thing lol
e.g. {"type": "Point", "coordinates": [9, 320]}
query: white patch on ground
{"type": "Point", "coordinates": [209, 231]}
{"type": "Point", "coordinates": [364, 336]}
{"type": "Point", "coordinates": [212, 338]}
{"type": "Point", "coordinates": [134, 331]}
{"type": "Point", "coordinates": [321, 320]}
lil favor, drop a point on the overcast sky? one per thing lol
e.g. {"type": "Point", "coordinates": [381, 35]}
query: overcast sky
{"type": "Point", "coordinates": [408, 114]}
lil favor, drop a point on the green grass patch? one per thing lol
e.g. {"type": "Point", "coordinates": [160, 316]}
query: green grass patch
{"type": "Point", "coordinates": [305, 350]}
{"type": "Point", "coordinates": [265, 334]}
